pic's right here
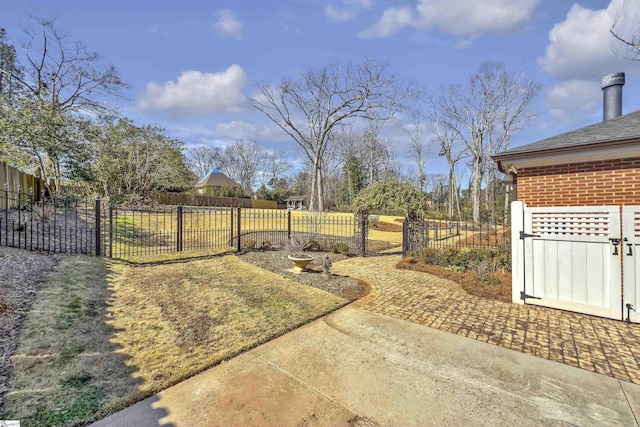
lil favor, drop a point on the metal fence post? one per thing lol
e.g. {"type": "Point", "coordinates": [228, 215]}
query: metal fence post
{"type": "Point", "coordinates": [98, 228]}
{"type": "Point", "coordinates": [363, 235]}
{"type": "Point", "coordinates": [404, 238]}
{"type": "Point", "coordinates": [19, 217]}
{"type": "Point", "coordinates": [231, 228]}
{"type": "Point", "coordinates": [239, 228]}
{"type": "Point", "coordinates": [288, 225]}
{"type": "Point", "coordinates": [179, 229]}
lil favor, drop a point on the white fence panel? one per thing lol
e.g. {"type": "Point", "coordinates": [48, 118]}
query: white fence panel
{"type": "Point", "coordinates": [568, 259]}
{"type": "Point", "coordinates": [630, 246]}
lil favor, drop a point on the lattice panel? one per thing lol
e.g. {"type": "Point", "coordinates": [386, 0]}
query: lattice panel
{"type": "Point", "coordinates": [594, 224]}
{"type": "Point", "coordinates": [636, 224]}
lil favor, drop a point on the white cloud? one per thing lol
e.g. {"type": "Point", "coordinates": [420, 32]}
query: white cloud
{"type": "Point", "coordinates": [336, 15]}
{"type": "Point", "coordinates": [579, 46]}
{"type": "Point", "coordinates": [392, 20]}
{"type": "Point", "coordinates": [578, 56]}
{"type": "Point", "coordinates": [261, 132]}
{"type": "Point", "coordinates": [457, 17]}
{"type": "Point", "coordinates": [227, 25]}
{"type": "Point", "coordinates": [573, 100]}
{"type": "Point", "coordinates": [348, 11]}
{"type": "Point", "coordinates": [197, 93]}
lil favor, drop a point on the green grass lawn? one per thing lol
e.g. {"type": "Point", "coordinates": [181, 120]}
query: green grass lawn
{"type": "Point", "coordinates": [101, 335]}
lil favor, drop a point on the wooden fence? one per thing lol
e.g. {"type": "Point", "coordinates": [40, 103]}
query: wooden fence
{"type": "Point", "coordinates": [204, 200]}
{"type": "Point", "coordinates": [16, 181]}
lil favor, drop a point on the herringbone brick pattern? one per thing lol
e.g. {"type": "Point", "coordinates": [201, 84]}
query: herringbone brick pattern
{"type": "Point", "coordinates": [600, 345]}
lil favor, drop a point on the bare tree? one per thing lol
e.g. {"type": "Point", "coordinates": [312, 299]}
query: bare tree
{"type": "Point", "coordinates": [309, 108]}
{"type": "Point", "coordinates": [484, 113]}
{"type": "Point", "coordinates": [436, 185]}
{"type": "Point", "coordinates": [66, 75]}
{"type": "Point", "coordinates": [275, 165]}
{"type": "Point", "coordinates": [626, 31]}
{"type": "Point", "coordinates": [516, 92]}
{"type": "Point", "coordinates": [55, 79]}
{"type": "Point", "coordinates": [379, 155]}
{"type": "Point", "coordinates": [202, 159]}
{"type": "Point", "coordinates": [446, 134]}
{"type": "Point", "coordinates": [416, 127]}
{"type": "Point", "coordinates": [241, 161]}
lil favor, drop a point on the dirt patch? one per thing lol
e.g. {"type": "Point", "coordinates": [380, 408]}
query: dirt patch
{"type": "Point", "coordinates": [468, 280]}
{"type": "Point", "coordinates": [387, 226]}
{"type": "Point", "coordinates": [376, 246]}
{"type": "Point", "coordinates": [277, 262]}
{"type": "Point", "coordinates": [21, 274]}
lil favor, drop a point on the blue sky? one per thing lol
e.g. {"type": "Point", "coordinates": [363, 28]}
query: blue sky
{"type": "Point", "coordinates": [193, 64]}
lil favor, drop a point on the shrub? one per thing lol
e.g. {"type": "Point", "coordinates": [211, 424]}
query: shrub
{"type": "Point", "coordinates": [470, 259]}
{"type": "Point", "coordinates": [373, 221]}
{"type": "Point", "coordinates": [331, 246]}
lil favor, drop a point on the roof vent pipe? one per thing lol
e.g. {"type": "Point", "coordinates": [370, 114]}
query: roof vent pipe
{"type": "Point", "coordinates": [612, 95]}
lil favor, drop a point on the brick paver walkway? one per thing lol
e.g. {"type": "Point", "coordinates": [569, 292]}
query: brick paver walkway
{"type": "Point", "coordinates": [601, 345]}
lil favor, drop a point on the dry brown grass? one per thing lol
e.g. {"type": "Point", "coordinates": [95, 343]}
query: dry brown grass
{"type": "Point", "coordinates": [486, 238]}
{"type": "Point", "coordinates": [394, 237]}
{"type": "Point", "coordinates": [176, 320]}
{"type": "Point", "coordinates": [100, 337]}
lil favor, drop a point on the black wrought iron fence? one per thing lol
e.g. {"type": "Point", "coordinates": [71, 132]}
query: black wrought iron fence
{"type": "Point", "coordinates": [137, 232]}
{"type": "Point", "coordinates": [63, 223]}
{"type": "Point", "coordinates": [423, 233]}
{"type": "Point", "coordinates": [68, 224]}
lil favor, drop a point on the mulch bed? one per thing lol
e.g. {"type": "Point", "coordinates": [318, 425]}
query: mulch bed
{"type": "Point", "coordinates": [469, 281]}
{"type": "Point", "coordinates": [21, 274]}
{"type": "Point", "coordinates": [276, 261]}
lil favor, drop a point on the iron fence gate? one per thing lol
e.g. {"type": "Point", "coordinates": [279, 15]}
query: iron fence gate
{"type": "Point", "coordinates": [425, 233]}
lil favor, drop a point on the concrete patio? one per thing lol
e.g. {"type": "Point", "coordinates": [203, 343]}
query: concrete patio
{"type": "Point", "coordinates": [360, 368]}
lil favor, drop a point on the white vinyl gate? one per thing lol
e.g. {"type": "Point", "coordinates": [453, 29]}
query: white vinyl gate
{"type": "Point", "coordinates": [630, 245]}
{"type": "Point", "coordinates": [568, 258]}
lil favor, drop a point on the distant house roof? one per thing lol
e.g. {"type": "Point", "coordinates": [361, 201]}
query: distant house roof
{"type": "Point", "coordinates": [615, 138]}
{"type": "Point", "coordinates": [215, 178]}
{"type": "Point", "coordinates": [296, 198]}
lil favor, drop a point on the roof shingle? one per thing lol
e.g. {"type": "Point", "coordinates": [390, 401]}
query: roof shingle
{"type": "Point", "coordinates": [621, 128]}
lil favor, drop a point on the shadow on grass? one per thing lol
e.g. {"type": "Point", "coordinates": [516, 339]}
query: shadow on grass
{"type": "Point", "coordinates": [67, 370]}
{"type": "Point", "coordinates": [171, 258]}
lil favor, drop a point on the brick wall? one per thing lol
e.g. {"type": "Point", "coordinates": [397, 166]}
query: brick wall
{"type": "Point", "coordinates": [607, 182]}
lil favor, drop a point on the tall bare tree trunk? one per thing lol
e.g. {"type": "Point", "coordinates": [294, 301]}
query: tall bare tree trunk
{"type": "Point", "coordinates": [452, 190]}
{"type": "Point", "coordinates": [475, 189]}
{"type": "Point", "coordinates": [312, 196]}
{"type": "Point", "coordinates": [505, 219]}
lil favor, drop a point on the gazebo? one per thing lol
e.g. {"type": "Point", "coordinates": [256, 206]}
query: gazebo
{"type": "Point", "coordinates": [297, 202]}
{"type": "Point", "coordinates": [213, 183]}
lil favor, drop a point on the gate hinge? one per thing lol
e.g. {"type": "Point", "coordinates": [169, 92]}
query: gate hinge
{"type": "Point", "coordinates": [523, 235]}
{"type": "Point", "coordinates": [523, 296]}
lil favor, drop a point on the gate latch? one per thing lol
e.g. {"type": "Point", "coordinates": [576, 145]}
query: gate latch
{"type": "Point", "coordinates": [523, 235]}
{"type": "Point", "coordinates": [629, 246]}
{"type": "Point", "coordinates": [615, 242]}
{"type": "Point", "coordinates": [629, 308]}
{"type": "Point", "coordinates": [524, 295]}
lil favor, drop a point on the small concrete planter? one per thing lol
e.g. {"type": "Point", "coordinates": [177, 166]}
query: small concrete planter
{"type": "Point", "coordinates": [301, 262]}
